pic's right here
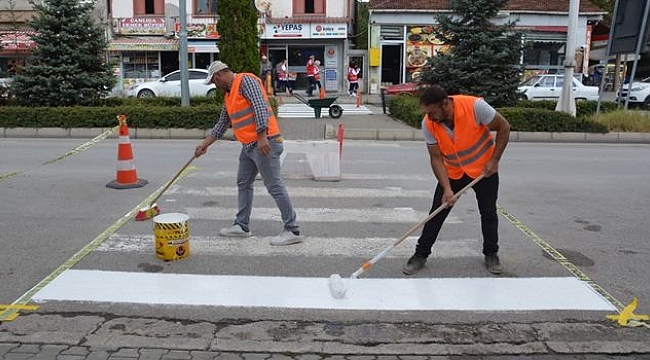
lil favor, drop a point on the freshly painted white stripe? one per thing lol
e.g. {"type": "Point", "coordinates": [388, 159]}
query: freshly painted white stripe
{"type": "Point", "coordinates": [304, 111]}
{"type": "Point", "coordinates": [312, 192]}
{"type": "Point", "coordinates": [333, 215]}
{"type": "Point", "coordinates": [311, 247]}
{"type": "Point", "coordinates": [468, 294]}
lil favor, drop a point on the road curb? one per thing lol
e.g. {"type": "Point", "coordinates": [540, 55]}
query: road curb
{"type": "Point", "coordinates": [330, 133]}
{"type": "Point", "coordinates": [300, 337]}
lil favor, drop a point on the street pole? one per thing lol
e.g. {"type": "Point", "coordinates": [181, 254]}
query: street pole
{"type": "Point", "coordinates": [182, 55]}
{"type": "Point", "coordinates": [566, 102]}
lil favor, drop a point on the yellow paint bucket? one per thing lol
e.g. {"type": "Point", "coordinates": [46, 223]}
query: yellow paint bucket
{"type": "Point", "coordinates": [172, 234]}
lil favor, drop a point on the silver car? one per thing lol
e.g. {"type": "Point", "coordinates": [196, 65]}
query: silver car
{"type": "Point", "coordinates": [639, 94]}
{"type": "Point", "coordinates": [170, 85]}
{"type": "Point", "coordinates": [549, 87]}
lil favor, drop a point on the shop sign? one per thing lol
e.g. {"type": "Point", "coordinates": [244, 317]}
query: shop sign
{"type": "Point", "coordinates": [331, 79]}
{"type": "Point", "coordinates": [287, 31]}
{"type": "Point", "coordinates": [199, 31]}
{"type": "Point", "coordinates": [319, 31]}
{"type": "Point", "coordinates": [141, 26]}
{"type": "Point", "coordinates": [331, 57]}
{"type": "Point", "coordinates": [421, 46]}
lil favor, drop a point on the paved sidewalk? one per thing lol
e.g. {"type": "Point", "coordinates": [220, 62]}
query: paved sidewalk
{"type": "Point", "coordinates": [65, 337]}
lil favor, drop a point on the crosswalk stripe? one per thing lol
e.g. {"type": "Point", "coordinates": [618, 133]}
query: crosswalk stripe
{"type": "Point", "coordinates": [344, 176]}
{"type": "Point", "coordinates": [312, 192]}
{"type": "Point", "coordinates": [333, 215]}
{"type": "Point", "coordinates": [311, 247]}
{"type": "Point", "coordinates": [304, 111]}
{"type": "Point", "coordinates": [459, 294]}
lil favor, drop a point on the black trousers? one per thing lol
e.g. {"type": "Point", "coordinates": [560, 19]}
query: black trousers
{"type": "Point", "coordinates": [486, 192]}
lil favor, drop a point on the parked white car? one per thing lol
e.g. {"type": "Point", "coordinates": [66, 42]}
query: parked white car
{"type": "Point", "coordinates": [549, 87]}
{"type": "Point", "coordinates": [170, 85]}
{"type": "Point", "coordinates": [639, 94]}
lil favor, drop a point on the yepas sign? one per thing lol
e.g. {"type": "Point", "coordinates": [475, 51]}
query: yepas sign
{"type": "Point", "coordinates": [278, 31]}
{"type": "Point", "coordinates": [303, 31]}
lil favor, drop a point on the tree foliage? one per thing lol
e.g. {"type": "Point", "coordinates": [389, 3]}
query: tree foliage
{"type": "Point", "coordinates": [239, 43]}
{"type": "Point", "coordinates": [68, 65]}
{"type": "Point", "coordinates": [483, 58]}
{"type": "Point", "coordinates": [361, 25]}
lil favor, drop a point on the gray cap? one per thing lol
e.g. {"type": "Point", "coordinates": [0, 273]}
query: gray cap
{"type": "Point", "coordinates": [214, 68]}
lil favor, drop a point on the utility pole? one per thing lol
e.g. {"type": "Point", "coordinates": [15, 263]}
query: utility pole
{"type": "Point", "coordinates": [567, 102]}
{"type": "Point", "coordinates": [182, 55]}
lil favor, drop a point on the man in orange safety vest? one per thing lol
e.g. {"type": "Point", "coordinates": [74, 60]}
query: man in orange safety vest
{"type": "Point", "coordinates": [457, 130]}
{"type": "Point", "coordinates": [246, 108]}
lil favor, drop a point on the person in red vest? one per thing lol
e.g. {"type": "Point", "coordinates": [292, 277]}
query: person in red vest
{"type": "Point", "coordinates": [317, 72]}
{"type": "Point", "coordinates": [457, 130]}
{"type": "Point", "coordinates": [353, 78]}
{"type": "Point", "coordinates": [311, 72]}
{"type": "Point", "coordinates": [246, 108]}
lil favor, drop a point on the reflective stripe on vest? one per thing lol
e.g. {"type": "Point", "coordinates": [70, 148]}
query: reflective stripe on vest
{"type": "Point", "coordinates": [472, 146]}
{"type": "Point", "coordinates": [242, 114]}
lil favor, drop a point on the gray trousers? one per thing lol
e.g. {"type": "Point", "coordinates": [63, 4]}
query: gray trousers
{"type": "Point", "coordinates": [250, 163]}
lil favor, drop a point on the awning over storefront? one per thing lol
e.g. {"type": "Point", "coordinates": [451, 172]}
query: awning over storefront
{"type": "Point", "coordinates": [143, 44]}
{"type": "Point", "coordinates": [16, 42]}
{"type": "Point", "coordinates": [202, 46]}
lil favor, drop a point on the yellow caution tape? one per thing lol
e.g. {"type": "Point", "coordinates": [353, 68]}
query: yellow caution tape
{"type": "Point", "coordinates": [627, 314]}
{"type": "Point", "coordinates": [11, 312]}
{"type": "Point", "coordinates": [94, 141]}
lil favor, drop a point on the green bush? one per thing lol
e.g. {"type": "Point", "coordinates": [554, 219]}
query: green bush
{"type": "Point", "coordinates": [532, 120]}
{"type": "Point", "coordinates": [528, 116]}
{"type": "Point", "coordinates": [194, 117]}
{"type": "Point", "coordinates": [624, 120]}
{"type": "Point", "coordinates": [157, 112]}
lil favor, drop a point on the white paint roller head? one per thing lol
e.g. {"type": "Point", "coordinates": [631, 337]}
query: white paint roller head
{"type": "Point", "coordinates": [338, 287]}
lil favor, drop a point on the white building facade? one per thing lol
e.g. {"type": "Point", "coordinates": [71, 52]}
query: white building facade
{"type": "Point", "coordinates": [400, 39]}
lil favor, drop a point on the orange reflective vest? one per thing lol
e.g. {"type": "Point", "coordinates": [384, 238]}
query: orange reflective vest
{"type": "Point", "coordinates": [472, 145]}
{"type": "Point", "coordinates": [242, 114]}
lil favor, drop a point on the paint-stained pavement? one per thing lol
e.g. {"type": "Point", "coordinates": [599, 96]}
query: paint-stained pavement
{"type": "Point", "coordinates": [52, 336]}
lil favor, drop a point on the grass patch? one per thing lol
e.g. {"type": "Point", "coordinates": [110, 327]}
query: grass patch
{"type": "Point", "coordinates": [624, 121]}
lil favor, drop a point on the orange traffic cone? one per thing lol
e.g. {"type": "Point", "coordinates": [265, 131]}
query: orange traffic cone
{"type": "Point", "coordinates": [127, 176]}
{"type": "Point", "coordinates": [322, 93]}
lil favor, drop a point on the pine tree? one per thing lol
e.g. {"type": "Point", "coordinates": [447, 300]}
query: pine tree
{"type": "Point", "coordinates": [484, 58]}
{"type": "Point", "coordinates": [239, 42]}
{"type": "Point", "coordinates": [69, 67]}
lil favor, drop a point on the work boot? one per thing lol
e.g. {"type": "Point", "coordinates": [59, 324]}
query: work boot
{"type": "Point", "coordinates": [415, 263]}
{"type": "Point", "coordinates": [493, 264]}
{"type": "Point", "coordinates": [234, 231]}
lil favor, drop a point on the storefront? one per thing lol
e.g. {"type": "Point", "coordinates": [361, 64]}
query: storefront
{"type": "Point", "coordinates": [402, 51]}
{"type": "Point", "coordinates": [297, 41]}
{"type": "Point", "coordinates": [142, 49]}
{"type": "Point", "coordinates": [16, 47]}
{"type": "Point", "coordinates": [137, 59]}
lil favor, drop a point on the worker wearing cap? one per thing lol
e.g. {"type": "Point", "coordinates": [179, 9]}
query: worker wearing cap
{"type": "Point", "coordinates": [246, 108]}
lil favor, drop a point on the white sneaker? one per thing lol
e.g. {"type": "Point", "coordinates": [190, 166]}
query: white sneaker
{"type": "Point", "coordinates": [286, 238]}
{"type": "Point", "coordinates": [234, 231]}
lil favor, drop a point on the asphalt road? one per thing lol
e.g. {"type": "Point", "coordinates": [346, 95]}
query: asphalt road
{"type": "Point", "coordinates": [587, 201]}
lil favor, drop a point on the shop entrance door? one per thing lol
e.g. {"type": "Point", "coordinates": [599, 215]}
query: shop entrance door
{"type": "Point", "coordinates": [391, 64]}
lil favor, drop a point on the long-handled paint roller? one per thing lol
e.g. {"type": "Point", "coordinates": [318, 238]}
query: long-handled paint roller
{"type": "Point", "coordinates": [338, 287]}
{"type": "Point", "coordinates": [152, 210]}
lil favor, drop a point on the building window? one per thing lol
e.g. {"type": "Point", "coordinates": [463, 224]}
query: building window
{"type": "Point", "coordinates": [149, 7]}
{"type": "Point", "coordinates": [205, 7]}
{"type": "Point", "coordinates": [302, 7]}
